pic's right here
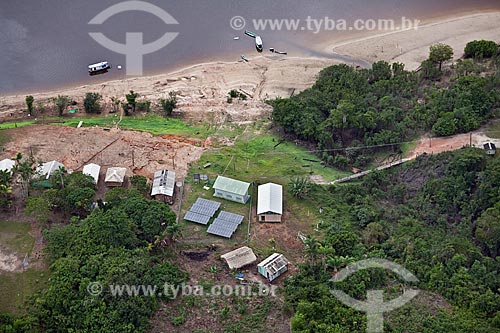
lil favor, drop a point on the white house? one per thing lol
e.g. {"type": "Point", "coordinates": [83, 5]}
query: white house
{"type": "Point", "coordinates": [231, 189]}
{"type": "Point", "coordinates": [270, 202]}
{"type": "Point", "coordinates": [273, 266]}
{"type": "Point", "coordinates": [92, 170]}
{"type": "Point", "coordinates": [47, 169]}
{"type": "Point", "coordinates": [164, 186]}
{"type": "Point", "coordinates": [115, 176]}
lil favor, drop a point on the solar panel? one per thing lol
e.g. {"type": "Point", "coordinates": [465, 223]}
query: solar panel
{"type": "Point", "coordinates": [197, 218]}
{"type": "Point", "coordinates": [221, 230]}
{"type": "Point", "coordinates": [231, 217]}
{"type": "Point", "coordinates": [208, 203]}
{"type": "Point", "coordinates": [224, 222]}
{"type": "Point", "coordinates": [203, 210]}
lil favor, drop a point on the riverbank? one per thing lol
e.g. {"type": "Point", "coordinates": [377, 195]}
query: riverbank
{"type": "Point", "coordinates": [202, 89]}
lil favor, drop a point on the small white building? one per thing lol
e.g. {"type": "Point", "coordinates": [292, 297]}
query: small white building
{"type": "Point", "coordinates": [273, 266]}
{"type": "Point", "coordinates": [92, 170]}
{"type": "Point", "coordinates": [47, 169]}
{"type": "Point", "coordinates": [115, 176]}
{"type": "Point", "coordinates": [270, 203]}
{"type": "Point", "coordinates": [7, 165]}
{"type": "Point", "coordinates": [164, 186]}
{"type": "Point", "coordinates": [231, 189]}
{"type": "Point", "coordinates": [239, 258]}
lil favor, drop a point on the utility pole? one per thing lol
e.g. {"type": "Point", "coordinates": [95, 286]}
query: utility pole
{"type": "Point", "coordinates": [470, 140]}
{"type": "Point", "coordinates": [133, 160]}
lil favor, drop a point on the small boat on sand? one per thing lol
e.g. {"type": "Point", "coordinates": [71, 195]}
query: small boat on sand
{"type": "Point", "coordinates": [244, 58]}
{"type": "Point", "coordinates": [258, 44]}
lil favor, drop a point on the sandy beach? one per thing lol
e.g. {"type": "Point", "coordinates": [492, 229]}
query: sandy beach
{"type": "Point", "coordinates": [203, 88]}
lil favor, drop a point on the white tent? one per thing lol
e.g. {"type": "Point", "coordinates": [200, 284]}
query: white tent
{"type": "Point", "coordinates": [47, 169]}
{"type": "Point", "coordinates": [115, 176]}
{"type": "Point", "coordinates": [7, 165]}
{"type": "Point", "coordinates": [92, 170]}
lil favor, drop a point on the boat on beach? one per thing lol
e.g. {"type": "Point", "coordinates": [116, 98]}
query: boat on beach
{"type": "Point", "coordinates": [258, 44]}
{"type": "Point", "coordinates": [99, 68]}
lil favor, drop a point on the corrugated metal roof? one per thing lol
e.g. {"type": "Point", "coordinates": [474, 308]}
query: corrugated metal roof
{"type": "Point", "coordinates": [115, 175]}
{"type": "Point", "coordinates": [239, 257]}
{"type": "Point", "coordinates": [274, 263]}
{"type": "Point", "coordinates": [163, 183]}
{"type": "Point", "coordinates": [92, 170]}
{"type": "Point", "coordinates": [48, 168]}
{"type": "Point", "coordinates": [270, 199]}
{"type": "Point", "coordinates": [231, 185]}
{"type": "Point", "coordinates": [7, 164]}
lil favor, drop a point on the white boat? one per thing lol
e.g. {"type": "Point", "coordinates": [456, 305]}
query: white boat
{"type": "Point", "coordinates": [258, 44]}
{"type": "Point", "coordinates": [99, 68]}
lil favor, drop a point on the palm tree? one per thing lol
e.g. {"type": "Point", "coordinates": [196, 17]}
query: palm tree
{"type": "Point", "coordinates": [171, 233]}
{"type": "Point", "coordinates": [299, 186]}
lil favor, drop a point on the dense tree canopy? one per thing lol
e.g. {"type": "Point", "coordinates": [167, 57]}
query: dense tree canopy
{"type": "Point", "coordinates": [438, 217]}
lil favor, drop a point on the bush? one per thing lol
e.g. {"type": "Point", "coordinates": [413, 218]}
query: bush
{"type": "Point", "coordinates": [481, 49]}
{"type": "Point", "coordinates": [91, 103]}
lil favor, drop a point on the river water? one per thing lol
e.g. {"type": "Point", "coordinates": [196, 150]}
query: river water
{"type": "Point", "coordinates": [45, 44]}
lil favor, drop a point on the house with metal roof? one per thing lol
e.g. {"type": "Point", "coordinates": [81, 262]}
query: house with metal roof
{"type": "Point", "coordinates": [115, 176]}
{"type": "Point", "coordinates": [163, 188]}
{"type": "Point", "coordinates": [273, 266]}
{"type": "Point", "coordinates": [47, 169]}
{"type": "Point", "coordinates": [92, 170]}
{"type": "Point", "coordinates": [270, 203]}
{"type": "Point", "coordinates": [7, 165]}
{"type": "Point", "coordinates": [231, 189]}
{"type": "Point", "coordinates": [239, 258]}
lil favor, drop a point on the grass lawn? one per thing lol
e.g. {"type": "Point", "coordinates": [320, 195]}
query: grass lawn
{"type": "Point", "coordinates": [254, 159]}
{"type": "Point", "coordinates": [493, 130]}
{"type": "Point", "coordinates": [15, 124]}
{"type": "Point", "coordinates": [151, 123]}
{"type": "Point", "coordinates": [16, 287]}
{"type": "Point", "coordinates": [15, 236]}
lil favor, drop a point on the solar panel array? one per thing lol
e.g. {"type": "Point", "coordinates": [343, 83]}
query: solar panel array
{"type": "Point", "coordinates": [225, 224]}
{"type": "Point", "coordinates": [202, 210]}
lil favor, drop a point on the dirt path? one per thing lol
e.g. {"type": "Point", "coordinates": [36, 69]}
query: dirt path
{"type": "Point", "coordinates": [427, 145]}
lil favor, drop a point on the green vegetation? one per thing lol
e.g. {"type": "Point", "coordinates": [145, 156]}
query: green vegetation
{"type": "Point", "coordinates": [131, 101]}
{"type": "Point", "coordinates": [384, 106]}
{"type": "Point", "coordinates": [61, 103]}
{"type": "Point", "coordinates": [15, 236]}
{"type": "Point", "coordinates": [16, 124]}
{"type": "Point", "coordinates": [481, 49]}
{"type": "Point", "coordinates": [117, 244]}
{"type": "Point", "coordinates": [169, 104]}
{"type": "Point", "coordinates": [15, 291]}
{"type": "Point", "coordinates": [151, 123]}
{"type": "Point", "coordinates": [440, 53]}
{"type": "Point", "coordinates": [265, 158]}
{"type": "Point", "coordinates": [438, 217]}
{"type": "Point", "coordinates": [29, 104]}
{"type": "Point", "coordinates": [91, 102]}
